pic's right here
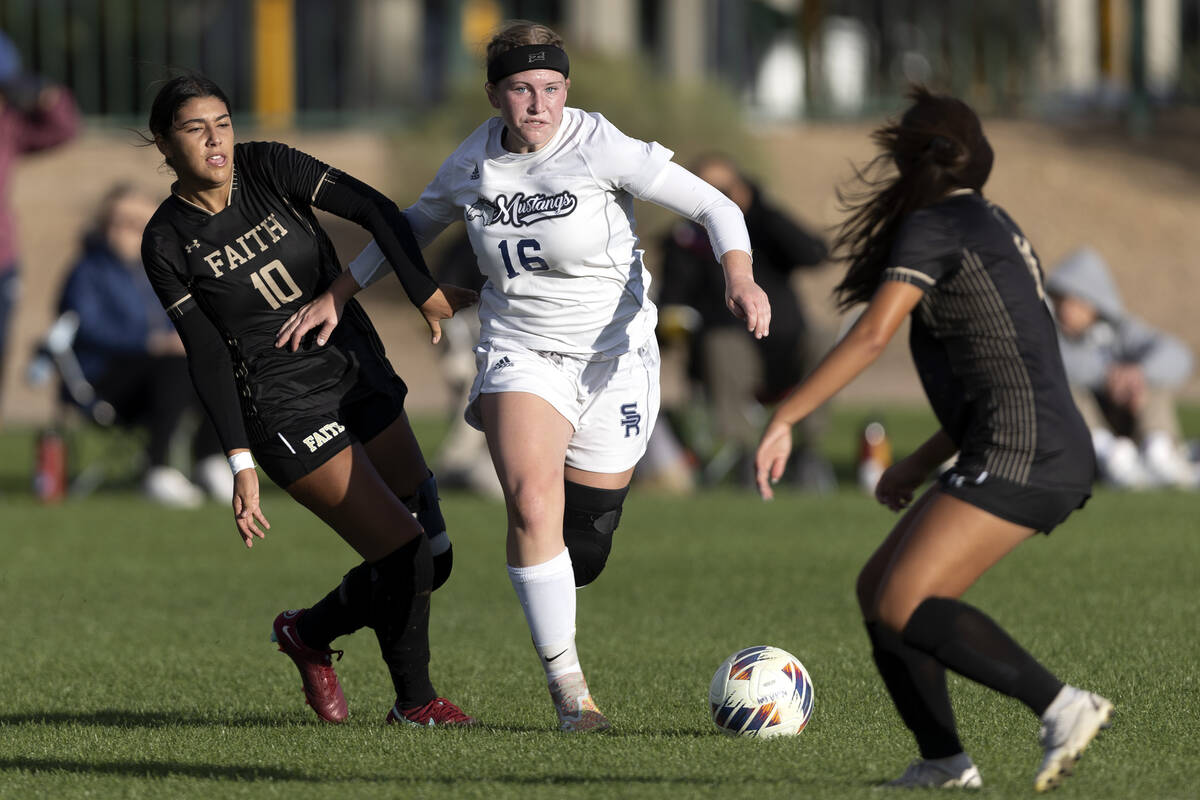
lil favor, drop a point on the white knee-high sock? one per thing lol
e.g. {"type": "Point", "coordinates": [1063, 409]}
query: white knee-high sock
{"type": "Point", "coordinates": [547, 595]}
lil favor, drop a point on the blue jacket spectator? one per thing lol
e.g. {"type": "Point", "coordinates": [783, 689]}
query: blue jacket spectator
{"type": "Point", "coordinates": [132, 356]}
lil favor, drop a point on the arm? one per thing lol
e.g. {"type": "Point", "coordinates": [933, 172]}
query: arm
{"type": "Point", "coordinates": [899, 482]}
{"type": "Point", "coordinates": [892, 303]}
{"type": "Point", "coordinates": [370, 265]}
{"type": "Point", "coordinates": [211, 370]}
{"type": "Point", "coordinates": [349, 198]}
{"type": "Point", "coordinates": [678, 190]}
{"type": "Point", "coordinates": [309, 181]}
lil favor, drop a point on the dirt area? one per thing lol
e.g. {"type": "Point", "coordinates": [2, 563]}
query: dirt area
{"type": "Point", "coordinates": [1065, 186]}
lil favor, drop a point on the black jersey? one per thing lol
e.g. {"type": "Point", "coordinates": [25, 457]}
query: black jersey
{"type": "Point", "coordinates": [985, 346]}
{"type": "Point", "coordinates": [247, 268]}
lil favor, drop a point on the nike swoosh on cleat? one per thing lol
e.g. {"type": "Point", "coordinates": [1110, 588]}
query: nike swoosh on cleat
{"type": "Point", "coordinates": [551, 658]}
{"type": "Point", "coordinates": [287, 631]}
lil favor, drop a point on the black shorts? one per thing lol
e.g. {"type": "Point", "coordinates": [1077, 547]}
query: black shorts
{"type": "Point", "coordinates": [1034, 507]}
{"type": "Point", "coordinates": [297, 447]}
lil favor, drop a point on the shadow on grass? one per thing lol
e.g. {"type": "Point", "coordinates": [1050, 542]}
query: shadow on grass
{"type": "Point", "coordinates": [231, 772]}
{"type": "Point", "coordinates": [157, 769]}
{"type": "Point", "coordinates": [121, 718]}
{"type": "Point", "coordinates": [617, 732]}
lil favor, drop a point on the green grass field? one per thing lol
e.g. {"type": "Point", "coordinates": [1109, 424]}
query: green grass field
{"type": "Point", "coordinates": [137, 660]}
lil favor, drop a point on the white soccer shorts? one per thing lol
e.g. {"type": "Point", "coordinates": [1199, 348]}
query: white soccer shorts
{"type": "Point", "coordinates": [611, 402]}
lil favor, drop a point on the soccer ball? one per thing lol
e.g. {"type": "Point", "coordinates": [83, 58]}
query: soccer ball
{"type": "Point", "coordinates": [761, 691]}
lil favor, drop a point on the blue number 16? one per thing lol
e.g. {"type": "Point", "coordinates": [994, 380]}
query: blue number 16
{"type": "Point", "coordinates": [530, 263]}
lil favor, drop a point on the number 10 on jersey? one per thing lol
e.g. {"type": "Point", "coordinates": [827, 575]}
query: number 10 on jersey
{"type": "Point", "coordinates": [530, 263]}
{"type": "Point", "coordinates": [268, 281]}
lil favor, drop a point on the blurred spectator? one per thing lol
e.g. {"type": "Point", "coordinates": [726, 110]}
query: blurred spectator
{"type": "Point", "coordinates": [463, 461]}
{"type": "Point", "coordinates": [34, 115]}
{"type": "Point", "coordinates": [738, 372]}
{"type": "Point", "coordinates": [1123, 374]}
{"type": "Point", "coordinates": [132, 356]}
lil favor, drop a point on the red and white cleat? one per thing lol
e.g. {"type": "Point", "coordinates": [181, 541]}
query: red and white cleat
{"type": "Point", "coordinates": [321, 688]}
{"type": "Point", "coordinates": [438, 712]}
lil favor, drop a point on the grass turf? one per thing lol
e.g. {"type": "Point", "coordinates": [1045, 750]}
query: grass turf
{"type": "Point", "coordinates": [138, 663]}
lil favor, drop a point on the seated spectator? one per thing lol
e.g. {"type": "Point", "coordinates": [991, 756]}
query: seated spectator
{"type": "Point", "coordinates": [132, 356]}
{"type": "Point", "coordinates": [1124, 375]}
{"type": "Point", "coordinates": [738, 372]}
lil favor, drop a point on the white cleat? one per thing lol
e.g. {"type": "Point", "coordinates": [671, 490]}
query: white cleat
{"type": "Point", "coordinates": [953, 772]}
{"type": "Point", "coordinates": [1068, 726]}
{"type": "Point", "coordinates": [577, 711]}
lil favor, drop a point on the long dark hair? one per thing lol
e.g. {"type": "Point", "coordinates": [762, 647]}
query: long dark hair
{"type": "Point", "coordinates": [937, 146]}
{"type": "Point", "coordinates": [172, 95]}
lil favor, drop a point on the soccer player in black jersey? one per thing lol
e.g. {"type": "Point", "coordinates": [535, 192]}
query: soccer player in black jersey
{"type": "Point", "coordinates": [233, 251]}
{"type": "Point", "coordinates": [921, 241]}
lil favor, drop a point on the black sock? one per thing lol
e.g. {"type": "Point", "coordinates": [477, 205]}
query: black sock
{"type": "Point", "coordinates": [401, 584]}
{"type": "Point", "coordinates": [917, 684]}
{"type": "Point", "coordinates": [339, 613]}
{"type": "Point", "coordinates": [967, 641]}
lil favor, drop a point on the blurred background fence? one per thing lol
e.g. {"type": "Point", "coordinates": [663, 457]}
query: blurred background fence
{"type": "Point", "coordinates": [1093, 107]}
{"type": "Point", "coordinates": [317, 61]}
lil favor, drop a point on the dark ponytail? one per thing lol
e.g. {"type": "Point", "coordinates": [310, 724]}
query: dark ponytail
{"type": "Point", "coordinates": [936, 147]}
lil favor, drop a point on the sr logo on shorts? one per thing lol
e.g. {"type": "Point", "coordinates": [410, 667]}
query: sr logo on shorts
{"type": "Point", "coordinates": [631, 419]}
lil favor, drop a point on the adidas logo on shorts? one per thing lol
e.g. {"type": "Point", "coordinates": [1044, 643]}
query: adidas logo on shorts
{"type": "Point", "coordinates": [504, 361]}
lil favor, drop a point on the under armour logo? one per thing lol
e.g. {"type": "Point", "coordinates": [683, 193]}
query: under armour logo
{"type": "Point", "coordinates": [195, 245]}
{"type": "Point", "coordinates": [631, 419]}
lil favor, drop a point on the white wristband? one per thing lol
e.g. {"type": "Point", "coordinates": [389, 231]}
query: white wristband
{"type": "Point", "coordinates": [241, 461]}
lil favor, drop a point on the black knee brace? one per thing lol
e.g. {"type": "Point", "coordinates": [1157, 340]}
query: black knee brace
{"type": "Point", "coordinates": [589, 519]}
{"type": "Point", "coordinates": [425, 507]}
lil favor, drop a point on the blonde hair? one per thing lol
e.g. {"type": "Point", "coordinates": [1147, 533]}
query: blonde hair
{"type": "Point", "coordinates": [518, 33]}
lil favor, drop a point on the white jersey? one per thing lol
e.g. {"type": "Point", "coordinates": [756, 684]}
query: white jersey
{"type": "Point", "coordinates": [553, 233]}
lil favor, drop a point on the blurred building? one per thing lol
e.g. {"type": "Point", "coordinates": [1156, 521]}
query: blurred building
{"type": "Point", "coordinates": [316, 60]}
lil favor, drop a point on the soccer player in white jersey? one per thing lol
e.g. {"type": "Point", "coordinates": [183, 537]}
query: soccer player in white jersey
{"type": "Point", "coordinates": [567, 386]}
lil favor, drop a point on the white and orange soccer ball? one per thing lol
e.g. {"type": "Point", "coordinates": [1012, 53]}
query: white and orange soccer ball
{"type": "Point", "coordinates": [761, 691]}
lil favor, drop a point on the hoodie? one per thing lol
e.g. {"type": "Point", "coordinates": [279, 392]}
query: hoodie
{"type": "Point", "coordinates": [1117, 337]}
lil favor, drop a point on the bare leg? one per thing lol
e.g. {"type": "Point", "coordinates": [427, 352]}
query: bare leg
{"type": "Point", "coordinates": [528, 441]}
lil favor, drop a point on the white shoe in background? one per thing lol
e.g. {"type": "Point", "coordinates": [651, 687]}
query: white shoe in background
{"type": "Point", "coordinates": [1122, 465]}
{"type": "Point", "coordinates": [213, 473]}
{"type": "Point", "coordinates": [1167, 463]}
{"type": "Point", "coordinates": [170, 487]}
{"type": "Point", "coordinates": [952, 772]}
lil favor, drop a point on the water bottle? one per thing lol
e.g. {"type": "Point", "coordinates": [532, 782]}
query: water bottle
{"type": "Point", "coordinates": [874, 455]}
{"type": "Point", "coordinates": [50, 468]}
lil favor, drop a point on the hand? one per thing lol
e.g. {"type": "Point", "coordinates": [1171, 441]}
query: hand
{"type": "Point", "coordinates": [746, 300]}
{"type": "Point", "coordinates": [444, 304]}
{"type": "Point", "coordinates": [324, 311]}
{"type": "Point", "coordinates": [246, 511]}
{"type": "Point", "coordinates": [773, 451]}
{"type": "Point", "coordinates": [1126, 385]}
{"type": "Point", "coordinates": [899, 483]}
